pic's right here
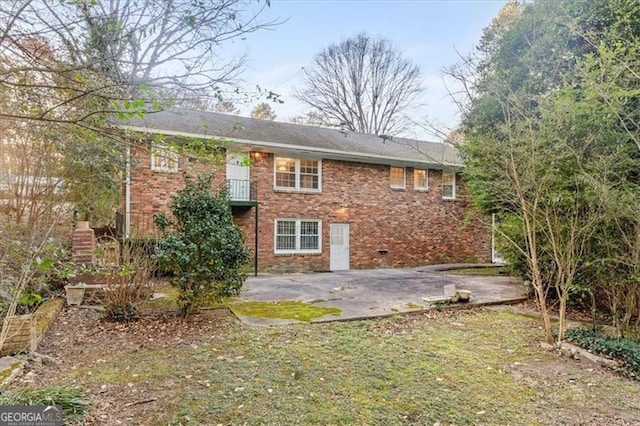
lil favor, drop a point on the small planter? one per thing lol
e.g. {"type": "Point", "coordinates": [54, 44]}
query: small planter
{"type": "Point", "coordinates": [75, 293]}
{"type": "Point", "coordinates": [450, 290]}
{"type": "Point", "coordinates": [463, 295]}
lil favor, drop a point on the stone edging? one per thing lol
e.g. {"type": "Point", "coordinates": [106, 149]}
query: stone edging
{"type": "Point", "coordinates": [26, 331]}
{"type": "Point", "coordinates": [566, 349]}
{"type": "Point", "coordinates": [576, 352]}
{"type": "Point", "coordinates": [10, 368]}
{"type": "Point", "coordinates": [41, 320]}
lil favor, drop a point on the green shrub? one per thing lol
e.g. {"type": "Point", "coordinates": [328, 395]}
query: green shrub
{"type": "Point", "coordinates": [54, 265]}
{"type": "Point", "coordinates": [201, 246]}
{"type": "Point", "coordinates": [71, 400]}
{"type": "Point", "coordinates": [40, 270]}
{"type": "Point", "coordinates": [625, 350]}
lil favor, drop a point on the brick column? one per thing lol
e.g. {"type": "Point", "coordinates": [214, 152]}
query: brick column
{"type": "Point", "coordinates": [84, 244]}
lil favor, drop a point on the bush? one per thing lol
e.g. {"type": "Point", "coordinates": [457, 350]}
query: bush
{"type": "Point", "coordinates": [625, 350]}
{"type": "Point", "coordinates": [32, 268]}
{"type": "Point", "coordinates": [127, 285]}
{"type": "Point", "coordinates": [71, 400]}
{"type": "Point", "coordinates": [201, 246]}
{"type": "Point", "coordinates": [54, 265]}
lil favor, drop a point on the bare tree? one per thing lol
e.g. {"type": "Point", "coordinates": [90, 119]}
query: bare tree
{"type": "Point", "coordinates": [29, 175]}
{"type": "Point", "coordinates": [90, 58]}
{"type": "Point", "coordinates": [363, 84]}
{"type": "Point", "coordinates": [308, 119]}
{"type": "Point", "coordinates": [263, 111]}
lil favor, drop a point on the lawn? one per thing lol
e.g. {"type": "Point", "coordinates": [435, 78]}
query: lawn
{"type": "Point", "coordinates": [490, 270]}
{"type": "Point", "coordinates": [466, 367]}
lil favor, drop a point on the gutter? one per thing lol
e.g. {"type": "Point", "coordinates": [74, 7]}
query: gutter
{"type": "Point", "coordinates": [380, 159]}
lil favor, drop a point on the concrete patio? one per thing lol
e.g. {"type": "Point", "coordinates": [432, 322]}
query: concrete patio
{"type": "Point", "coordinates": [376, 292]}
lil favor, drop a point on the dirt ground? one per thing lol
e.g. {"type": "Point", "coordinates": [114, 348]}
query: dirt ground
{"type": "Point", "coordinates": [80, 338]}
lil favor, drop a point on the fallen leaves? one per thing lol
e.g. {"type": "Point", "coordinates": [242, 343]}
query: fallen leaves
{"type": "Point", "coordinates": [80, 338]}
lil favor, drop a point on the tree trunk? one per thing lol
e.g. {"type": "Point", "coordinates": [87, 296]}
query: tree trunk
{"type": "Point", "coordinates": [542, 303]}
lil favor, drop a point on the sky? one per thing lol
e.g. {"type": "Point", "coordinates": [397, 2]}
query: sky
{"type": "Point", "coordinates": [428, 32]}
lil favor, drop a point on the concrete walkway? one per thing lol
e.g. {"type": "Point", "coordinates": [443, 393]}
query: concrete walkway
{"type": "Point", "coordinates": [376, 292]}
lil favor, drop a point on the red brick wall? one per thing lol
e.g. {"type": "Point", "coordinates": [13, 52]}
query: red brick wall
{"type": "Point", "coordinates": [84, 246]}
{"type": "Point", "coordinates": [415, 227]}
{"type": "Point", "coordinates": [151, 191]}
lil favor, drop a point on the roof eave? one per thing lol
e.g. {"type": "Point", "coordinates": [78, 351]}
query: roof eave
{"type": "Point", "coordinates": [322, 152]}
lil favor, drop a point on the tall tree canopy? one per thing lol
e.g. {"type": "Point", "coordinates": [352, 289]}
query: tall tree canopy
{"type": "Point", "coordinates": [67, 66]}
{"type": "Point", "coordinates": [263, 111]}
{"type": "Point", "coordinates": [551, 147]}
{"type": "Point", "coordinates": [363, 84]}
{"type": "Point", "coordinates": [226, 107]}
{"type": "Point", "coordinates": [88, 58]}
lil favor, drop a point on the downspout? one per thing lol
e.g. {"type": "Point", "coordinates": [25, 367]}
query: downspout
{"type": "Point", "coordinates": [127, 195]}
{"type": "Point", "coordinates": [255, 253]}
{"type": "Point", "coordinates": [493, 238]}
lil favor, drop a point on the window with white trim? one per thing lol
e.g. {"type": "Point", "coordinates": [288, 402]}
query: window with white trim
{"type": "Point", "coordinates": [448, 185]}
{"type": "Point", "coordinates": [164, 158]}
{"type": "Point", "coordinates": [297, 174]}
{"type": "Point", "coordinates": [420, 179]}
{"type": "Point", "coordinates": [396, 177]}
{"type": "Point", "coordinates": [298, 236]}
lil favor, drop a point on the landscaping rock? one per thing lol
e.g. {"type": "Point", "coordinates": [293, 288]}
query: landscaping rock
{"type": "Point", "coordinates": [578, 353]}
{"type": "Point", "coordinates": [547, 346]}
{"type": "Point", "coordinates": [10, 368]}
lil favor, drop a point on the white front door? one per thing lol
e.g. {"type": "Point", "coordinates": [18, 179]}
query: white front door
{"type": "Point", "coordinates": [238, 176]}
{"type": "Point", "coordinates": [339, 246]}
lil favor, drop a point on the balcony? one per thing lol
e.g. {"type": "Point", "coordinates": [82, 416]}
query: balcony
{"type": "Point", "coordinates": [141, 226]}
{"type": "Point", "coordinates": [242, 192]}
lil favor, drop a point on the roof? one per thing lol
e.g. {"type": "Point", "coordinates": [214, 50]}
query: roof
{"type": "Point", "coordinates": [274, 136]}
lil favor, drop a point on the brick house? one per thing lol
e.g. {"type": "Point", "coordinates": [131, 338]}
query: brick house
{"type": "Point", "coordinates": [315, 198]}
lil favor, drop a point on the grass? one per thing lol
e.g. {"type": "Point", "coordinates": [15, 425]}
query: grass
{"type": "Point", "coordinates": [168, 302]}
{"type": "Point", "coordinates": [488, 271]}
{"type": "Point", "coordinates": [287, 309]}
{"type": "Point", "coordinates": [71, 400]}
{"type": "Point", "coordinates": [476, 367]}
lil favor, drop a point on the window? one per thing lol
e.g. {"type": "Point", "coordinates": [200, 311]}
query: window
{"type": "Point", "coordinates": [296, 174]}
{"type": "Point", "coordinates": [164, 159]}
{"type": "Point", "coordinates": [396, 177]}
{"type": "Point", "coordinates": [285, 235]}
{"type": "Point", "coordinates": [298, 236]}
{"type": "Point", "coordinates": [285, 173]}
{"type": "Point", "coordinates": [448, 185]}
{"type": "Point", "coordinates": [420, 179]}
{"type": "Point", "coordinates": [309, 174]}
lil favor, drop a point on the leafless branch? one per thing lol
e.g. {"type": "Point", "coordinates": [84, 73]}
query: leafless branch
{"type": "Point", "coordinates": [364, 84]}
{"type": "Point", "coordinates": [84, 59]}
